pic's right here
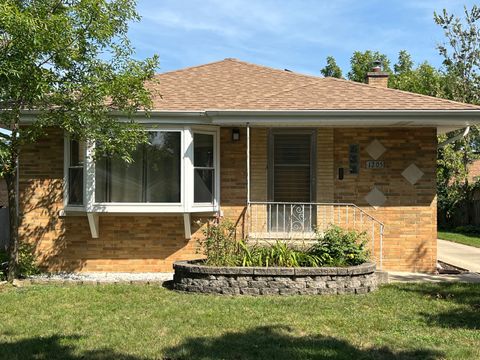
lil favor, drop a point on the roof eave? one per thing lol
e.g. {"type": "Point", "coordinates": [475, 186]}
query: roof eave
{"type": "Point", "coordinates": [451, 119]}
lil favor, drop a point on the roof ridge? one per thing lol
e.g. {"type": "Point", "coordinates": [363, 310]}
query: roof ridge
{"type": "Point", "coordinates": [289, 72]}
{"type": "Point", "coordinates": [193, 67]}
{"type": "Point", "coordinates": [401, 91]}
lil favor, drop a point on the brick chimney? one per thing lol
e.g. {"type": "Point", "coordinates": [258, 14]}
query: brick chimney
{"type": "Point", "coordinates": [377, 77]}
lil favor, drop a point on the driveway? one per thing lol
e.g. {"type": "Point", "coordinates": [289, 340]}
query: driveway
{"type": "Point", "coordinates": [467, 257]}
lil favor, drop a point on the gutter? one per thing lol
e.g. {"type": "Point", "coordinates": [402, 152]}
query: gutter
{"type": "Point", "coordinates": [331, 112]}
{"type": "Point", "coordinates": [403, 118]}
{"type": "Point", "coordinates": [455, 138]}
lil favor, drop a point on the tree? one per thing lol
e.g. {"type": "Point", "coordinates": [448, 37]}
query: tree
{"type": "Point", "coordinates": [361, 63]}
{"type": "Point", "coordinates": [404, 63]}
{"type": "Point", "coordinates": [461, 60]}
{"type": "Point", "coordinates": [425, 79]}
{"type": "Point", "coordinates": [331, 69]}
{"type": "Point", "coordinates": [461, 53]}
{"type": "Point", "coordinates": [70, 62]}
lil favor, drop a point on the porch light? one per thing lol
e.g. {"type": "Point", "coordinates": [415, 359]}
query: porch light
{"type": "Point", "coordinates": [236, 134]}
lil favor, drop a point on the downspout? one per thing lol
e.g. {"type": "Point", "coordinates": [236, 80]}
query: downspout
{"type": "Point", "coordinates": [248, 181]}
{"type": "Point", "coordinates": [248, 164]}
{"type": "Point", "coordinates": [454, 138]}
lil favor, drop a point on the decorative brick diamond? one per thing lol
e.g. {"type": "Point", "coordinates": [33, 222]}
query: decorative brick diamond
{"type": "Point", "coordinates": [375, 197]}
{"type": "Point", "coordinates": [412, 174]}
{"type": "Point", "coordinates": [375, 149]}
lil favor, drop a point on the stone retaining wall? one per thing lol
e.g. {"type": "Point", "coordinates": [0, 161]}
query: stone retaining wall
{"type": "Point", "coordinates": [194, 277]}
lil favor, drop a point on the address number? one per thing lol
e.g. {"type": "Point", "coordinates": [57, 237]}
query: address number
{"type": "Point", "coordinates": [372, 164]}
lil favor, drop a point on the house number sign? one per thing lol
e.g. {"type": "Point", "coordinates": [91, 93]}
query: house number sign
{"type": "Point", "coordinates": [375, 164]}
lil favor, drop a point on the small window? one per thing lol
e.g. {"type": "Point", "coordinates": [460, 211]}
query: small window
{"type": "Point", "coordinates": [204, 168]}
{"type": "Point", "coordinates": [354, 158]}
{"type": "Point", "coordinates": [75, 173]}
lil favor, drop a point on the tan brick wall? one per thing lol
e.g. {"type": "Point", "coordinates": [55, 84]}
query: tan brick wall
{"type": "Point", "coordinates": [325, 169]}
{"type": "Point", "coordinates": [409, 212]}
{"type": "Point", "coordinates": [153, 243]}
{"type": "Point", "coordinates": [126, 243]}
{"type": "Point", "coordinates": [258, 164]}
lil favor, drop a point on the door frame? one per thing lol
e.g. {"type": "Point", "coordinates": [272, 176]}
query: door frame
{"type": "Point", "coordinates": [313, 159]}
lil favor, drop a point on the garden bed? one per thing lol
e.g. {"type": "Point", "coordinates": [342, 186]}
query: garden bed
{"type": "Point", "coordinates": [193, 276]}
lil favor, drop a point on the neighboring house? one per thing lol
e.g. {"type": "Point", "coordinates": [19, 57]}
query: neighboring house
{"type": "Point", "coordinates": [3, 193]}
{"type": "Point", "coordinates": [4, 223]}
{"type": "Point", "coordinates": [279, 153]}
{"type": "Point", "coordinates": [474, 172]}
{"type": "Point", "coordinates": [466, 212]}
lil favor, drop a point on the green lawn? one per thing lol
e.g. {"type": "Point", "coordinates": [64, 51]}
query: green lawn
{"type": "Point", "coordinates": [425, 321]}
{"type": "Point", "coordinates": [466, 239]}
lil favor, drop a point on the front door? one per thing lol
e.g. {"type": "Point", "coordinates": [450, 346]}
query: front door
{"type": "Point", "coordinates": [291, 181]}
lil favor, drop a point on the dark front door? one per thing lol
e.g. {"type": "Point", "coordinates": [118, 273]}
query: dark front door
{"type": "Point", "coordinates": [291, 181]}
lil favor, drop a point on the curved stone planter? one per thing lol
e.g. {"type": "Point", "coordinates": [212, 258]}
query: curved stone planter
{"type": "Point", "coordinates": [192, 276]}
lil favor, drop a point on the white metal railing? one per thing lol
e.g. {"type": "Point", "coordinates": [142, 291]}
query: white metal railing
{"type": "Point", "coordinates": [301, 221]}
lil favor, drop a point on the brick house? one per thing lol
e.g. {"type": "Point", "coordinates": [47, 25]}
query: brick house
{"type": "Point", "coordinates": [3, 193]}
{"type": "Point", "coordinates": [466, 212]}
{"type": "Point", "coordinates": [279, 153]}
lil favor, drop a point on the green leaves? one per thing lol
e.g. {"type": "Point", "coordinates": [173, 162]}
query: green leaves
{"type": "Point", "coordinates": [331, 69]}
{"type": "Point", "coordinates": [335, 247]}
{"type": "Point", "coordinates": [338, 247]}
{"type": "Point", "coordinates": [361, 63]}
{"type": "Point", "coordinates": [461, 53]}
{"type": "Point", "coordinates": [461, 82]}
{"type": "Point", "coordinates": [72, 62]}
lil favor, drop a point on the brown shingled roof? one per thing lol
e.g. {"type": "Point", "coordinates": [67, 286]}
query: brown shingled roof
{"type": "Point", "coordinates": [231, 84]}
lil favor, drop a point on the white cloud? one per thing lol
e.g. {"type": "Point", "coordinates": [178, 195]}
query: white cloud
{"type": "Point", "coordinates": [295, 34]}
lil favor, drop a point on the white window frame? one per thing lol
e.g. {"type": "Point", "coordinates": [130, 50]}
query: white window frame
{"type": "Point", "coordinates": [198, 207]}
{"type": "Point", "coordinates": [66, 167]}
{"type": "Point", "coordinates": [186, 204]}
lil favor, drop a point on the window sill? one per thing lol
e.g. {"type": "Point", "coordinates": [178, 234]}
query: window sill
{"type": "Point", "coordinates": [137, 209]}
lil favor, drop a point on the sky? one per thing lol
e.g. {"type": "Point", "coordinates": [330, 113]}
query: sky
{"type": "Point", "coordinates": [287, 34]}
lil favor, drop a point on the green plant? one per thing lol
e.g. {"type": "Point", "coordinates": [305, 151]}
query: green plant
{"type": "Point", "coordinates": [26, 261]}
{"type": "Point", "coordinates": [219, 244]}
{"type": "Point", "coordinates": [338, 247]}
{"type": "Point", "coordinates": [467, 229]}
{"type": "Point", "coordinates": [73, 63]}
{"type": "Point", "coordinates": [3, 259]}
{"type": "Point", "coordinates": [27, 264]}
{"type": "Point", "coordinates": [278, 254]}
{"type": "Point", "coordinates": [335, 247]}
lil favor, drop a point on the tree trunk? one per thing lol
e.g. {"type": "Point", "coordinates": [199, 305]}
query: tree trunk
{"type": "Point", "coordinates": [11, 180]}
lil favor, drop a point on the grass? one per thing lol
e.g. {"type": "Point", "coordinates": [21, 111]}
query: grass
{"type": "Point", "coordinates": [466, 239]}
{"type": "Point", "coordinates": [403, 321]}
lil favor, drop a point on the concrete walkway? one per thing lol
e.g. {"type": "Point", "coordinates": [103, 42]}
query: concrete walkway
{"type": "Point", "coordinates": [394, 276]}
{"type": "Point", "coordinates": [466, 257]}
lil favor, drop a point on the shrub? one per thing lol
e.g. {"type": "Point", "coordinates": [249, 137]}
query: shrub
{"type": "Point", "coordinates": [219, 244]}
{"type": "Point", "coordinates": [335, 247]}
{"type": "Point", "coordinates": [27, 264]}
{"type": "Point", "coordinates": [26, 261]}
{"type": "Point", "coordinates": [467, 229]}
{"type": "Point", "coordinates": [338, 247]}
